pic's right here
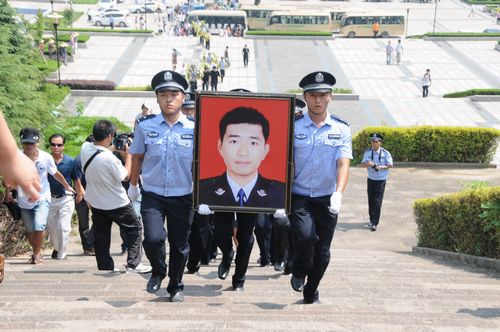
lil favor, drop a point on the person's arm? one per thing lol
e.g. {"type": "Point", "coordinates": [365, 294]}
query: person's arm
{"type": "Point", "coordinates": [17, 169]}
{"type": "Point", "coordinates": [135, 168]}
{"type": "Point", "coordinates": [342, 173]}
{"type": "Point", "coordinates": [368, 163]}
{"type": "Point", "coordinates": [60, 178]}
{"type": "Point", "coordinates": [80, 191]}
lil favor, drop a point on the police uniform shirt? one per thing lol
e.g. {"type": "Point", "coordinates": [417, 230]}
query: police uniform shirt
{"type": "Point", "coordinates": [316, 151]}
{"type": "Point", "coordinates": [68, 169]}
{"type": "Point", "coordinates": [381, 157]}
{"type": "Point", "coordinates": [168, 155]}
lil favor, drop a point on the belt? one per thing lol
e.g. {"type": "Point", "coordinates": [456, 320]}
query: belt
{"type": "Point", "coordinates": [62, 195]}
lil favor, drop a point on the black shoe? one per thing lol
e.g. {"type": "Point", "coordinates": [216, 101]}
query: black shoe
{"type": "Point", "coordinates": [223, 270]}
{"type": "Point", "coordinates": [54, 254]}
{"type": "Point", "coordinates": [124, 251]}
{"type": "Point", "coordinates": [192, 269]}
{"type": "Point", "coordinates": [238, 288]}
{"type": "Point", "coordinates": [313, 299]}
{"type": "Point", "coordinates": [297, 283]}
{"type": "Point", "coordinates": [373, 228]}
{"type": "Point", "coordinates": [287, 270]}
{"type": "Point", "coordinates": [154, 283]}
{"type": "Point", "coordinates": [177, 296]}
{"type": "Point", "coordinates": [279, 266]}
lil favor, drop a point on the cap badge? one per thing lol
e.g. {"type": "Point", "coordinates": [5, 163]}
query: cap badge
{"type": "Point", "coordinates": [187, 97]}
{"type": "Point", "coordinates": [319, 78]}
{"type": "Point", "coordinates": [167, 76]}
{"type": "Point", "coordinates": [220, 191]}
{"type": "Point", "coordinates": [261, 193]}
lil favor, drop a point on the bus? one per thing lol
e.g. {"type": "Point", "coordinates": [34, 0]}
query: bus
{"type": "Point", "coordinates": [299, 21]}
{"type": "Point", "coordinates": [360, 24]}
{"type": "Point", "coordinates": [258, 16]}
{"type": "Point", "coordinates": [219, 19]}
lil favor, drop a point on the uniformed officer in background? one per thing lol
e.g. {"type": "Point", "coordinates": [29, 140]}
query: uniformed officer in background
{"type": "Point", "coordinates": [163, 150]}
{"type": "Point", "coordinates": [189, 106]}
{"type": "Point", "coordinates": [322, 153]}
{"type": "Point", "coordinates": [377, 161]}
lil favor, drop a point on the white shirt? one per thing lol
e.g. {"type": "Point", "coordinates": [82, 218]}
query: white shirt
{"type": "Point", "coordinates": [399, 48]}
{"type": "Point", "coordinates": [104, 177]}
{"type": "Point", "coordinates": [235, 188]}
{"type": "Point", "coordinates": [44, 165]}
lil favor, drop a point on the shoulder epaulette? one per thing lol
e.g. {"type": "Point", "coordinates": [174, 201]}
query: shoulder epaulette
{"type": "Point", "coordinates": [339, 119]}
{"type": "Point", "coordinates": [149, 116]}
{"type": "Point", "coordinates": [298, 116]}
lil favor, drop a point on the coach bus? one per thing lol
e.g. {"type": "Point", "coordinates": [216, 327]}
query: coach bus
{"type": "Point", "coordinates": [258, 16]}
{"type": "Point", "coordinates": [299, 21]}
{"type": "Point", "coordinates": [219, 19]}
{"type": "Point", "coordinates": [360, 24]}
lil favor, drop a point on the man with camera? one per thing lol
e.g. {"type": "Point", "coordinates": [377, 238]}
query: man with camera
{"type": "Point", "coordinates": [377, 161]}
{"type": "Point", "coordinates": [108, 199]}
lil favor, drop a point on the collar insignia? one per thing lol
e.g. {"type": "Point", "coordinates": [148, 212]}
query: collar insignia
{"type": "Point", "coordinates": [261, 193]}
{"type": "Point", "coordinates": [220, 191]}
{"type": "Point", "coordinates": [319, 78]}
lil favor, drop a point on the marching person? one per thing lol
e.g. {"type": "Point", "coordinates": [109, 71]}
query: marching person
{"type": "Point", "coordinates": [163, 150]}
{"type": "Point", "coordinates": [322, 153]}
{"type": "Point", "coordinates": [377, 161]}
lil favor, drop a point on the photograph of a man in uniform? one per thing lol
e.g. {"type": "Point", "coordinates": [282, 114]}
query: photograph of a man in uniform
{"type": "Point", "coordinates": [243, 145]}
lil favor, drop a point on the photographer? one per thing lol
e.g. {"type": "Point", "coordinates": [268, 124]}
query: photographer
{"type": "Point", "coordinates": [377, 161]}
{"type": "Point", "coordinates": [108, 199]}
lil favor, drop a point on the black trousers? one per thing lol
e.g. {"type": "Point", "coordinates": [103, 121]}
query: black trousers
{"type": "Point", "coordinates": [199, 237]}
{"type": "Point", "coordinates": [375, 190]}
{"type": "Point", "coordinates": [262, 232]}
{"type": "Point", "coordinates": [178, 212]}
{"type": "Point", "coordinates": [280, 244]}
{"type": "Point", "coordinates": [223, 222]}
{"type": "Point", "coordinates": [126, 219]}
{"type": "Point", "coordinates": [313, 226]}
{"type": "Point", "coordinates": [86, 232]}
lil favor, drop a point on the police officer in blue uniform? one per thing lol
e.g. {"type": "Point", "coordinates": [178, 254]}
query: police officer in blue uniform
{"type": "Point", "coordinates": [377, 161]}
{"type": "Point", "coordinates": [322, 152]}
{"type": "Point", "coordinates": [163, 150]}
{"type": "Point", "coordinates": [189, 105]}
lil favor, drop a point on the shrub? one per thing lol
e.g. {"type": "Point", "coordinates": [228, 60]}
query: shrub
{"type": "Point", "coordinates": [432, 144]}
{"type": "Point", "coordinates": [453, 223]}
{"type": "Point", "coordinates": [12, 233]}
{"type": "Point", "coordinates": [287, 33]}
{"type": "Point", "coordinates": [87, 84]}
{"type": "Point", "coordinates": [105, 30]}
{"type": "Point", "coordinates": [472, 92]}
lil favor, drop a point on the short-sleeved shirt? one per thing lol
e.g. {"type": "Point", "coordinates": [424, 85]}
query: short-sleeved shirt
{"type": "Point", "coordinates": [426, 80]}
{"type": "Point", "coordinates": [381, 157]}
{"type": "Point", "coordinates": [68, 169]}
{"type": "Point", "coordinates": [316, 151]}
{"type": "Point", "coordinates": [168, 155]}
{"type": "Point", "coordinates": [104, 176]}
{"type": "Point", "coordinates": [44, 165]}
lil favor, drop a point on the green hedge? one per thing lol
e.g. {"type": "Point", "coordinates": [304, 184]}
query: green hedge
{"type": "Point", "coordinates": [287, 33]}
{"type": "Point", "coordinates": [432, 144]}
{"type": "Point", "coordinates": [105, 30]}
{"type": "Point", "coordinates": [452, 223]}
{"type": "Point", "coordinates": [483, 2]}
{"type": "Point", "coordinates": [472, 92]}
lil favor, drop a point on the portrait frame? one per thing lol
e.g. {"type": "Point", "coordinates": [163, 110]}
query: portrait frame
{"type": "Point", "coordinates": [272, 189]}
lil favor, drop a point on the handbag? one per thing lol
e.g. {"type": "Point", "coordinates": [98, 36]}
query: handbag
{"type": "Point", "coordinates": [14, 209]}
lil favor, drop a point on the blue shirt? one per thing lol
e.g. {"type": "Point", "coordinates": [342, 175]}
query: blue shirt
{"type": "Point", "coordinates": [67, 168]}
{"type": "Point", "coordinates": [383, 158]}
{"type": "Point", "coordinates": [168, 155]}
{"type": "Point", "coordinates": [316, 151]}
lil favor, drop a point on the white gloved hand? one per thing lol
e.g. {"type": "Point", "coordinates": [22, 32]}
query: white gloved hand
{"type": "Point", "coordinates": [204, 210]}
{"type": "Point", "coordinates": [280, 213]}
{"type": "Point", "coordinates": [335, 203]}
{"type": "Point", "coordinates": [133, 192]}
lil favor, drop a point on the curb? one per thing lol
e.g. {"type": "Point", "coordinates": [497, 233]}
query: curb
{"type": "Point", "coordinates": [460, 38]}
{"type": "Point", "coordinates": [482, 262]}
{"type": "Point", "coordinates": [443, 165]}
{"type": "Point", "coordinates": [485, 98]}
{"type": "Point", "coordinates": [290, 37]}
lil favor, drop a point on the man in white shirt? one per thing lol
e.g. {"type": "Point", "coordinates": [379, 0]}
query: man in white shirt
{"type": "Point", "coordinates": [399, 51]}
{"type": "Point", "coordinates": [108, 199]}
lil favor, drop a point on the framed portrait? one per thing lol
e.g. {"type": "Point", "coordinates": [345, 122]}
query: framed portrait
{"type": "Point", "coordinates": [243, 153]}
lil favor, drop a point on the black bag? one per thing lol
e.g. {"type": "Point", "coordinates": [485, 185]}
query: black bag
{"type": "Point", "coordinates": [14, 209]}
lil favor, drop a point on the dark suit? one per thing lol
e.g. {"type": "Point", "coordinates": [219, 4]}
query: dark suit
{"type": "Point", "coordinates": [265, 194]}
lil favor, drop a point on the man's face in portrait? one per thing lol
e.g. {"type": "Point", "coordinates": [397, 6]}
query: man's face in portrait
{"type": "Point", "coordinates": [170, 102]}
{"type": "Point", "coordinates": [243, 148]}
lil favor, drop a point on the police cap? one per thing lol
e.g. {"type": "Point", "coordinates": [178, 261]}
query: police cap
{"type": "Point", "coordinates": [189, 101]}
{"type": "Point", "coordinates": [318, 81]}
{"type": "Point", "coordinates": [29, 135]}
{"type": "Point", "coordinates": [239, 90]}
{"type": "Point", "coordinates": [376, 137]}
{"type": "Point", "coordinates": [169, 80]}
{"type": "Point", "coordinates": [299, 103]}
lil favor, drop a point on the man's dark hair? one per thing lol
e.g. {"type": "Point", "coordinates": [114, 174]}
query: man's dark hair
{"type": "Point", "coordinates": [102, 129]}
{"type": "Point", "coordinates": [55, 136]}
{"type": "Point", "coordinates": [244, 115]}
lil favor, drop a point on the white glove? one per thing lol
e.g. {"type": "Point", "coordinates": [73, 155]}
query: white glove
{"type": "Point", "coordinates": [133, 192]}
{"type": "Point", "coordinates": [280, 213]}
{"type": "Point", "coordinates": [204, 210]}
{"type": "Point", "coordinates": [335, 202]}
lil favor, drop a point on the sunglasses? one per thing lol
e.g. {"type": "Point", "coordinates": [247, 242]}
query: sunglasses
{"type": "Point", "coordinates": [58, 145]}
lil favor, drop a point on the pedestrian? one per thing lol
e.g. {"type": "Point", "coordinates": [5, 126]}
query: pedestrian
{"type": "Point", "coordinates": [207, 42]}
{"type": "Point", "coordinates": [377, 161]}
{"type": "Point", "coordinates": [320, 179]}
{"type": "Point", "coordinates": [388, 52]}
{"type": "Point", "coordinates": [146, 111]}
{"type": "Point", "coordinates": [426, 83]}
{"type": "Point", "coordinates": [205, 78]}
{"type": "Point", "coordinates": [222, 66]}
{"type": "Point", "coordinates": [73, 42]}
{"type": "Point", "coordinates": [471, 13]}
{"type": "Point", "coordinates": [141, 22]}
{"type": "Point", "coordinates": [375, 28]}
{"type": "Point", "coordinates": [89, 16]}
{"type": "Point", "coordinates": [193, 78]}
{"type": "Point", "coordinates": [246, 53]}
{"type": "Point", "coordinates": [108, 199]}
{"type": "Point", "coordinates": [498, 15]}
{"type": "Point", "coordinates": [112, 22]}
{"type": "Point", "coordinates": [214, 78]}
{"type": "Point", "coordinates": [399, 51]}
{"type": "Point", "coordinates": [62, 204]}
{"type": "Point", "coordinates": [174, 59]}
{"type": "Point", "coordinates": [163, 151]}
{"type": "Point", "coordinates": [226, 54]}
{"type": "Point", "coordinates": [51, 47]}
{"type": "Point", "coordinates": [63, 53]}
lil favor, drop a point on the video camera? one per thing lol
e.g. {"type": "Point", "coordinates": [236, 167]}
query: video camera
{"type": "Point", "coordinates": [121, 140]}
{"type": "Point", "coordinates": [375, 168]}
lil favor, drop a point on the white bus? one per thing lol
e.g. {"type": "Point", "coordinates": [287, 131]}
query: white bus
{"type": "Point", "coordinates": [299, 21]}
{"type": "Point", "coordinates": [258, 16]}
{"type": "Point", "coordinates": [219, 19]}
{"type": "Point", "coordinates": [360, 24]}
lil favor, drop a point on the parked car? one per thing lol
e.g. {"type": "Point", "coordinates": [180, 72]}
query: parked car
{"type": "Point", "coordinates": [107, 3]}
{"type": "Point", "coordinates": [121, 19]}
{"type": "Point", "coordinates": [101, 11]}
{"type": "Point", "coordinates": [147, 7]}
{"type": "Point", "coordinates": [492, 30]}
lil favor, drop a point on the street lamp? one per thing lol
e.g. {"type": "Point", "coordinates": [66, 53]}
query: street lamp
{"type": "Point", "coordinates": [52, 5]}
{"type": "Point", "coordinates": [145, 16]}
{"type": "Point", "coordinates": [55, 21]}
{"type": "Point", "coordinates": [406, 29]}
{"type": "Point", "coordinates": [435, 12]}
